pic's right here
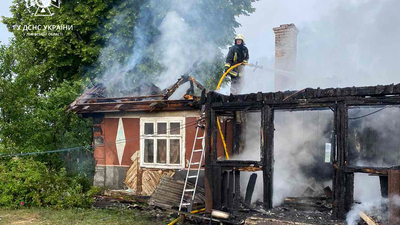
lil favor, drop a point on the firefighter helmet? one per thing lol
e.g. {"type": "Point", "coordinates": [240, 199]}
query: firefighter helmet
{"type": "Point", "coordinates": [239, 37]}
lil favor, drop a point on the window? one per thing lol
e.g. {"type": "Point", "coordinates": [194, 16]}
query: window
{"type": "Point", "coordinates": [162, 142]}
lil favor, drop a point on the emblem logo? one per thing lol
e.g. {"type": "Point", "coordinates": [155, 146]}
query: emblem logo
{"type": "Point", "coordinates": [42, 7]}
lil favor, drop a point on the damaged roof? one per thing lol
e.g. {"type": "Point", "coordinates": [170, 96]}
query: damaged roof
{"type": "Point", "coordinates": [145, 97]}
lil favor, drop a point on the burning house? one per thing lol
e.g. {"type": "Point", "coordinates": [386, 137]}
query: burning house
{"type": "Point", "coordinates": [137, 139]}
{"type": "Point", "coordinates": [255, 165]}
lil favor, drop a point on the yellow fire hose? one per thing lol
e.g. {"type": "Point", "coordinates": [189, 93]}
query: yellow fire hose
{"type": "Point", "coordinates": [192, 212]}
{"type": "Point", "coordinates": [222, 138]}
{"type": "Point", "coordinates": [218, 86]}
{"type": "Point", "coordinates": [226, 73]}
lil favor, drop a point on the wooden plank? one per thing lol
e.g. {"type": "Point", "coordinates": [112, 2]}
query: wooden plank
{"type": "Point", "coordinates": [237, 198]}
{"type": "Point", "coordinates": [267, 147]}
{"type": "Point", "coordinates": [208, 156]}
{"type": "Point", "coordinates": [364, 169]}
{"type": "Point", "coordinates": [225, 188]}
{"type": "Point", "coordinates": [340, 158]}
{"type": "Point", "coordinates": [217, 180]}
{"type": "Point", "coordinates": [367, 219]}
{"type": "Point", "coordinates": [231, 190]}
{"type": "Point", "coordinates": [349, 186]}
{"type": "Point", "coordinates": [393, 191]}
{"type": "Point", "coordinates": [238, 163]}
{"type": "Point", "coordinates": [250, 188]}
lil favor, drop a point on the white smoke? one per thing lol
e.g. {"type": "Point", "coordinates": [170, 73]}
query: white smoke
{"type": "Point", "coordinates": [183, 36]}
{"type": "Point", "coordinates": [340, 43]}
{"type": "Point", "coordinates": [370, 200]}
{"type": "Point", "coordinates": [299, 152]}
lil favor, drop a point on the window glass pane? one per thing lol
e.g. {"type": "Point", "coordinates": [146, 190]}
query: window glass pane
{"type": "Point", "coordinates": [149, 150]}
{"type": "Point", "coordinates": [175, 128]}
{"type": "Point", "coordinates": [148, 128]}
{"type": "Point", "coordinates": [161, 150]}
{"type": "Point", "coordinates": [175, 153]}
{"type": "Point", "coordinates": [161, 128]}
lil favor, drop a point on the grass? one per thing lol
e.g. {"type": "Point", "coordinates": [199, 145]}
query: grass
{"type": "Point", "coordinates": [80, 216]}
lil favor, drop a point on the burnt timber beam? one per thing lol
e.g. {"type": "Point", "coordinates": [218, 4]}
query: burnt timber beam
{"type": "Point", "coordinates": [394, 190]}
{"type": "Point", "coordinates": [371, 170]}
{"type": "Point", "coordinates": [340, 160]}
{"type": "Point", "coordinates": [267, 154]}
{"type": "Point", "coordinates": [349, 188]}
{"type": "Point", "coordinates": [208, 160]}
{"type": "Point", "coordinates": [237, 134]}
{"type": "Point", "coordinates": [238, 163]}
{"type": "Point", "coordinates": [309, 98]}
{"type": "Point", "coordinates": [216, 179]}
{"type": "Point", "coordinates": [237, 198]}
{"type": "Point", "coordinates": [231, 189]}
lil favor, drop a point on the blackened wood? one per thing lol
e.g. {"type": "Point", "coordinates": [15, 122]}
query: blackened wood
{"type": "Point", "coordinates": [309, 93]}
{"type": "Point", "coordinates": [384, 182]}
{"type": "Point", "coordinates": [349, 199]}
{"type": "Point", "coordinates": [225, 188]}
{"type": "Point", "coordinates": [267, 156]}
{"type": "Point", "coordinates": [190, 90]}
{"type": "Point", "coordinates": [237, 133]}
{"type": "Point", "coordinates": [237, 198]}
{"type": "Point", "coordinates": [339, 191]}
{"type": "Point", "coordinates": [214, 130]}
{"type": "Point", "coordinates": [208, 182]}
{"type": "Point", "coordinates": [250, 188]}
{"type": "Point", "coordinates": [217, 189]}
{"type": "Point", "coordinates": [203, 97]}
{"type": "Point", "coordinates": [231, 189]}
{"type": "Point", "coordinates": [238, 163]}
{"type": "Point", "coordinates": [394, 190]}
{"type": "Point", "coordinates": [370, 170]}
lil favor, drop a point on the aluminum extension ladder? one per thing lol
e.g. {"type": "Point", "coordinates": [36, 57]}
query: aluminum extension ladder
{"type": "Point", "coordinates": [188, 195]}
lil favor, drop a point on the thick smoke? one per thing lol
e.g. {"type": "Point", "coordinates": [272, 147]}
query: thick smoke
{"type": "Point", "coordinates": [372, 139]}
{"type": "Point", "coordinates": [299, 152]}
{"type": "Point", "coordinates": [340, 43]}
{"type": "Point", "coordinates": [183, 38]}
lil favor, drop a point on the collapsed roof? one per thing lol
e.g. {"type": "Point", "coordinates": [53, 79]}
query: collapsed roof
{"type": "Point", "coordinates": [145, 97]}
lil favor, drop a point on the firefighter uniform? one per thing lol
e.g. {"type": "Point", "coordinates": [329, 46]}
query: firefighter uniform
{"type": "Point", "coordinates": [237, 54]}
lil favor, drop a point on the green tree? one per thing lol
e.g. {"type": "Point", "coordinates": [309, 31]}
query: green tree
{"type": "Point", "coordinates": [40, 76]}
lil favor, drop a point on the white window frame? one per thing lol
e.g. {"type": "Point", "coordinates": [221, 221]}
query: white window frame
{"type": "Point", "coordinates": [168, 137]}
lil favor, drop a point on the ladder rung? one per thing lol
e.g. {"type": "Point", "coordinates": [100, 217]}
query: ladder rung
{"type": "Point", "coordinates": [184, 204]}
{"type": "Point", "coordinates": [194, 176]}
{"type": "Point", "coordinates": [189, 190]}
{"type": "Point", "coordinates": [195, 163]}
{"type": "Point", "coordinates": [199, 138]}
{"type": "Point", "coordinates": [198, 150]}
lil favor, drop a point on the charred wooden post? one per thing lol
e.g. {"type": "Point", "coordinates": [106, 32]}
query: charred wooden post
{"type": "Point", "coordinates": [340, 160]}
{"type": "Point", "coordinates": [208, 160]}
{"type": "Point", "coordinates": [225, 188]}
{"type": "Point", "coordinates": [267, 153]}
{"type": "Point", "coordinates": [237, 200]}
{"type": "Point", "coordinates": [237, 135]}
{"type": "Point", "coordinates": [231, 190]}
{"type": "Point", "coordinates": [349, 192]}
{"type": "Point", "coordinates": [384, 183]}
{"type": "Point", "coordinates": [394, 192]}
{"type": "Point", "coordinates": [217, 189]}
{"type": "Point", "coordinates": [250, 188]}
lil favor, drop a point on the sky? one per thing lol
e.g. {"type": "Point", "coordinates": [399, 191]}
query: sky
{"type": "Point", "coordinates": [4, 11]}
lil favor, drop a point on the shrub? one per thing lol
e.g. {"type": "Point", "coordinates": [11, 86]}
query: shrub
{"type": "Point", "coordinates": [31, 183]}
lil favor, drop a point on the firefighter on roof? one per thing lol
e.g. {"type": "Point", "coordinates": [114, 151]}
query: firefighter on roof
{"type": "Point", "coordinates": [237, 53]}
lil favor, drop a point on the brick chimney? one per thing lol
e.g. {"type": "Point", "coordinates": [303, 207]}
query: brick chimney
{"type": "Point", "coordinates": [285, 56]}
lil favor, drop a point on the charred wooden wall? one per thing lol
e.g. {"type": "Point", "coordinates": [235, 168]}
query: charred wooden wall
{"type": "Point", "coordinates": [336, 99]}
